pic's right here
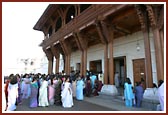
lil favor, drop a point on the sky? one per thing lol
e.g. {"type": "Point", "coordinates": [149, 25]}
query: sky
{"type": "Point", "coordinates": [19, 39]}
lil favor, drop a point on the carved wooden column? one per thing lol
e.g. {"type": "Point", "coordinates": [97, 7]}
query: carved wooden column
{"type": "Point", "coordinates": [152, 13]}
{"type": "Point", "coordinates": [50, 60]}
{"type": "Point", "coordinates": [103, 41]}
{"type": "Point", "coordinates": [82, 45]}
{"type": "Point", "coordinates": [57, 65]}
{"type": "Point", "coordinates": [57, 57]}
{"type": "Point", "coordinates": [67, 51]}
{"type": "Point", "coordinates": [111, 59]}
{"type": "Point", "coordinates": [50, 66]}
{"type": "Point", "coordinates": [143, 18]}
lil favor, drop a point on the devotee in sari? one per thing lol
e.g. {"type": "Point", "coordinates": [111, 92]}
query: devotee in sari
{"type": "Point", "coordinates": [12, 93]}
{"type": "Point", "coordinates": [34, 92]}
{"type": "Point", "coordinates": [51, 89]}
{"type": "Point", "coordinates": [43, 93]}
{"type": "Point", "coordinates": [66, 94]}
{"type": "Point", "coordinates": [161, 94]}
{"type": "Point", "coordinates": [74, 87]}
{"type": "Point", "coordinates": [7, 81]}
{"type": "Point", "coordinates": [19, 99]}
{"type": "Point", "coordinates": [26, 87]}
{"type": "Point", "coordinates": [93, 79]}
{"type": "Point", "coordinates": [128, 93]}
{"type": "Point", "coordinates": [88, 87]}
{"type": "Point", "coordinates": [79, 88]}
{"type": "Point", "coordinates": [57, 96]}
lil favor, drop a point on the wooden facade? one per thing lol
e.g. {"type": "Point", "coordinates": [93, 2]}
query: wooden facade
{"type": "Point", "coordinates": [71, 27]}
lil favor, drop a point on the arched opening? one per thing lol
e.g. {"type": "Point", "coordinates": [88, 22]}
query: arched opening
{"type": "Point", "coordinates": [58, 24]}
{"type": "Point", "coordinates": [50, 31]}
{"type": "Point", "coordinates": [84, 7]}
{"type": "Point", "coordinates": [70, 14]}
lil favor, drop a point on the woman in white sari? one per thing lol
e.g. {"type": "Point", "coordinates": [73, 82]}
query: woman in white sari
{"type": "Point", "coordinates": [43, 93]}
{"type": "Point", "coordinates": [66, 94]}
{"type": "Point", "coordinates": [12, 93]}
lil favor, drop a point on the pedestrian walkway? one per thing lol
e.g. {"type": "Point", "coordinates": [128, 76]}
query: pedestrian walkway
{"type": "Point", "coordinates": [113, 102]}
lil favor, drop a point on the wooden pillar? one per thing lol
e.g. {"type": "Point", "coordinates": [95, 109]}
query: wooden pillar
{"type": "Point", "coordinates": [158, 54]}
{"type": "Point", "coordinates": [68, 64]}
{"type": "Point", "coordinates": [162, 41]}
{"type": "Point", "coordinates": [148, 62]}
{"type": "Point", "coordinates": [111, 63]}
{"type": "Point", "coordinates": [57, 65]}
{"type": "Point", "coordinates": [67, 51]}
{"type": "Point", "coordinates": [111, 59]}
{"type": "Point", "coordinates": [152, 11]}
{"type": "Point", "coordinates": [106, 64]}
{"type": "Point", "coordinates": [84, 61]}
{"type": "Point", "coordinates": [82, 45]}
{"type": "Point", "coordinates": [50, 56]}
{"type": "Point", "coordinates": [143, 18]}
{"type": "Point", "coordinates": [50, 66]}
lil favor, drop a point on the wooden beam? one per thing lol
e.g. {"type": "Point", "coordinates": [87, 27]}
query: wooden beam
{"type": "Point", "coordinates": [121, 29]}
{"type": "Point", "coordinates": [77, 41]}
{"type": "Point", "coordinates": [122, 15]}
{"type": "Point", "coordinates": [55, 52]}
{"type": "Point", "coordinates": [48, 53]}
{"type": "Point", "coordinates": [100, 32]}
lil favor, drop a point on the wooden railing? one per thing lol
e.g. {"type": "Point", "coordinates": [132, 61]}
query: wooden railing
{"type": "Point", "coordinates": [89, 15]}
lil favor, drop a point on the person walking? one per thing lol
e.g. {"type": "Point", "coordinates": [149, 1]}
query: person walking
{"type": "Point", "coordinates": [128, 93]}
{"type": "Point", "coordinates": [139, 94]}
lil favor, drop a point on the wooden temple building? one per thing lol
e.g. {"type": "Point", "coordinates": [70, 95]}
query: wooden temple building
{"type": "Point", "coordinates": [124, 38]}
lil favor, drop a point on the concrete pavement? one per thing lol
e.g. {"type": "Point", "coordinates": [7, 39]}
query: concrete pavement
{"type": "Point", "coordinates": [113, 102]}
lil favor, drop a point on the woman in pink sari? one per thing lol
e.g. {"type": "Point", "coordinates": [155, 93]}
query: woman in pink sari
{"type": "Point", "coordinates": [51, 90]}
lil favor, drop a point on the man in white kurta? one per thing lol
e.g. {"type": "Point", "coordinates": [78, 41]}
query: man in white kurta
{"type": "Point", "coordinates": [161, 96]}
{"type": "Point", "coordinates": [66, 94]}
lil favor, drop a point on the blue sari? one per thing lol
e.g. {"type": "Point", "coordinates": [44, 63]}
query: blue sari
{"type": "Point", "coordinates": [79, 89]}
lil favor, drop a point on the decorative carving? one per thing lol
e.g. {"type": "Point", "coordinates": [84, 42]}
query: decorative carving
{"type": "Point", "coordinates": [140, 16]}
{"type": "Point", "coordinates": [151, 15]}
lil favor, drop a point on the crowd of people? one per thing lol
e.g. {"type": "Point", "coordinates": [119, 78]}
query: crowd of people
{"type": "Point", "coordinates": [133, 96]}
{"type": "Point", "coordinates": [45, 90]}
{"type": "Point", "coordinates": [60, 89]}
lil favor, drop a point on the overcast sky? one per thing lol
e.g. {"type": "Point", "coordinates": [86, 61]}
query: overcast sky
{"type": "Point", "coordinates": [19, 40]}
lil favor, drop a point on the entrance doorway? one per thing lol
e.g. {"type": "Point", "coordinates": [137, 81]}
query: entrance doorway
{"type": "Point", "coordinates": [78, 66]}
{"type": "Point", "coordinates": [139, 71]}
{"type": "Point", "coordinates": [95, 66]}
{"type": "Point", "coordinates": [120, 67]}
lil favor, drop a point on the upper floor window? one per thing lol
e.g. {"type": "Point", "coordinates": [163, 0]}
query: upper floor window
{"type": "Point", "coordinates": [58, 24]}
{"type": "Point", "coordinates": [50, 31]}
{"type": "Point", "coordinates": [70, 14]}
